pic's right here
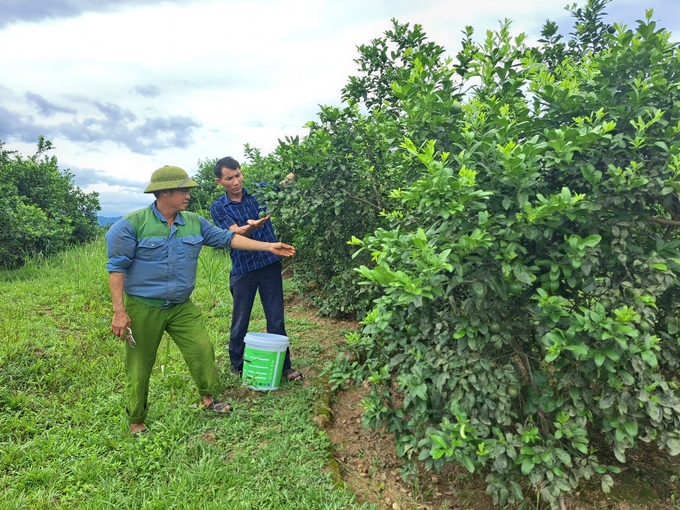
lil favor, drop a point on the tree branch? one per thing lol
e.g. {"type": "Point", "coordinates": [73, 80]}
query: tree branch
{"type": "Point", "coordinates": [376, 207]}
{"type": "Point", "coordinates": [524, 359]}
{"type": "Point", "coordinates": [668, 232]}
{"type": "Point", "coordinates": [352, 197]}
{"type": "Point", "coordinates": [662, 221]}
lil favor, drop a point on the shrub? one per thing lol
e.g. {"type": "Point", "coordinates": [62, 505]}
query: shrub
{"type": "Point", "coordinates": [43, 211]}
{"type": "Point", "coordinates": [528, 308]}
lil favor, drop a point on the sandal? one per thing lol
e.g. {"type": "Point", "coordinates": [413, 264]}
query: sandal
{"type": "Point", "coordinates": [293, 375]}
{"type": "Point", "coordinates": [219, 407]}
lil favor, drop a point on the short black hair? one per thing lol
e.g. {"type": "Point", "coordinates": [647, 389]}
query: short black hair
{"type": "Point", "coordinates": [229, 163]}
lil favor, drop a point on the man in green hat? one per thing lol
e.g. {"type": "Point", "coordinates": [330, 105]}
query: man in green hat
{"type": "Point", "coordinates": [153, 256]}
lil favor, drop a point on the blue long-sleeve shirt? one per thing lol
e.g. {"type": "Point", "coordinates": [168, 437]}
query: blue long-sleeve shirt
{"type": "Point", "coordinates": [160, 260]}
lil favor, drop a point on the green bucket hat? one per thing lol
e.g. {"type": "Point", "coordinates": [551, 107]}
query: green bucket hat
{"type": "Point", "coordinates": [169, 177]}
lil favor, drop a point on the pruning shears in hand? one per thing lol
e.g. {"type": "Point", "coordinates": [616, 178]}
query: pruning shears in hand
{"type": "Point", "coordinates": [130, 338]}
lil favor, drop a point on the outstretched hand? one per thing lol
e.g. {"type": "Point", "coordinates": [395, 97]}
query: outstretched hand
{"type": "Point", "coordinates": [284, 250]}
{"type": "Point", "coordinates": [258, 223]}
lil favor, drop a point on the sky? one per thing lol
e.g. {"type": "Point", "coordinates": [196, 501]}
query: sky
{"type": "Point", "coordinates": [123, 87]}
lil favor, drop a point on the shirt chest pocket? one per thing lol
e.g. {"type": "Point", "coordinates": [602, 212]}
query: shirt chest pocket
{"type": "Point", "coordinates": [152, 249]}
{"type": "Point", "coordinates": [191, 245]}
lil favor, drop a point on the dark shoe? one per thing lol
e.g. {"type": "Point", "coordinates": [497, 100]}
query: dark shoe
{"type": "Point", "coordinates": [293, 375]}
{"type": "Point", "coordinates": [219, 407]}
{"type": "Point", "coordinates": [236, 371]}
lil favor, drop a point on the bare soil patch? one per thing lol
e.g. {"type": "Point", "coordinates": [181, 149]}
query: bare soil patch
{"type": "Point", "coordinates": [370, 467]}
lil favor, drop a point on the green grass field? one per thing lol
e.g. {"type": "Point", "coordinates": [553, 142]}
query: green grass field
{"type": "Point", "coordinates": [64, 439]}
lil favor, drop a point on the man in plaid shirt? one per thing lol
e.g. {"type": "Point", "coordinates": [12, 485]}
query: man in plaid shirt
{"type": "Point", "coordinates": [251, 272]}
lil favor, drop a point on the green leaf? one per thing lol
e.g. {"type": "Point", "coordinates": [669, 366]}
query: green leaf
{"type": "Point", "coordinates": [467, 463]}
{"type": "Point", "coordinates": [439, 441]}
{"type": "Point", "coordinates": [527, 466]}
{"type": "Point", "coordinates": [436, 453]}
{"type": "Point", "coordinates": [592, 241]}
{"type": "Point", "coordinates": [421, 391]}
{"type": "Point", "coordinates": [581, 447]}
{"type": "Point", "coordinates": [619, 453]}
{"type": "Point", "coordinates": [581, 350]}
{"type": "Point", "coordinates": [649, 358]}
{"type": "Point", "coordinates": [631, 428]}
{"type": "Point", "coordinates": [521, 274]}
{"type": "Point", "coordinates": [563, 457]}
{"type": "Point", "coordinates": [574, 392]}
{"type": "Point", "coordinates": [663, 145]}
{"type": "Point", "coordinates": [673, 444]}
{"type": "Point", "coordinates": [563, 484]}
{"type": "Point", "coordinates": [552, 356]}
{"type": "Point", "coordinates": [627, 379]}
{"type": "Point", "coordinates": [517, 489]}
{"type": "Point", "coordinates": [654, 411]}
{"type": "Point", "coordinates": [607, 401]}
{"type": "Point", "coordinates": [599, 358]}
{"type": "Point", "coordinates": [612, 355]}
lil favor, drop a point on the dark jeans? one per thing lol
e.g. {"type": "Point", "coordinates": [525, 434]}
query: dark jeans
{"type": "Point", "coordinates": [268, 283]}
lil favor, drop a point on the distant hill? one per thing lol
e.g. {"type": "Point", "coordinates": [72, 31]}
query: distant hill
{"type": "Point", "coordinates": [108, 220]}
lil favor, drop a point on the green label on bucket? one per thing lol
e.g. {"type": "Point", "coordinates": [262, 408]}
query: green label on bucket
{"type": "Point", "coordinates": [262, 369]}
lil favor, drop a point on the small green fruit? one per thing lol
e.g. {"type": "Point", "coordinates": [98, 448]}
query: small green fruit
{"type": "Point", "coordinates": [645, 325]}
{"type": "Point", "coordinates": [513, 391]}
{"type": "Point", "coordinates": [262, 214]}
{"type": "Point", "coordinates": [515, 287]}
{"type": "Point", "coordinates": [494, 327]}
{"type": "Point", "coordinates": [455, 108]}
{"type": "Point", "coordinates": [412, 330]}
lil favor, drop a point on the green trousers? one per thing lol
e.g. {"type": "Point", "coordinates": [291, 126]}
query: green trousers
{"type": "Point", "coordinates": [185, 324]}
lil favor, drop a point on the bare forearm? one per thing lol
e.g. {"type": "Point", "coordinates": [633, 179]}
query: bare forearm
{"type": "Point", "coordinates": [121, 320]}
{"type": "Point", "coordinates": [240, 242]}
{"type": "Point", "coordinates": [116, 281]}
{"type": "Point", "coordinates": [245, 230]}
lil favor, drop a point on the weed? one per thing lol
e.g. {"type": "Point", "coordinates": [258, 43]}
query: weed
{"type": "Point", "coordinates": [215, 266]}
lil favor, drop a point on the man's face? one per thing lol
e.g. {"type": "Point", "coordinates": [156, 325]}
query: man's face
{"type": "Point", "coordinates": [231, 181]}
{"type": "Point", "coordinates": [178, 199]}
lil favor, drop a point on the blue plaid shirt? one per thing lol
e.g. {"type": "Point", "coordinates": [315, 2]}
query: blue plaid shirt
{"type": "Point", "coordinates": [225, 213]}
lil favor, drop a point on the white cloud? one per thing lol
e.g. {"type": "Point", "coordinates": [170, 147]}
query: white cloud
{"type": "Point", "coordinates": [207, 77]}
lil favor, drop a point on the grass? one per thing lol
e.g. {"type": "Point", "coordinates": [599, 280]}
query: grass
{"type": "Point", "coordinates": [64, 441]}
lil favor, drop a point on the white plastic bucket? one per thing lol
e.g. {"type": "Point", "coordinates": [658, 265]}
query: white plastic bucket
{"type": "Point", "coordinates": [263, 360]}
